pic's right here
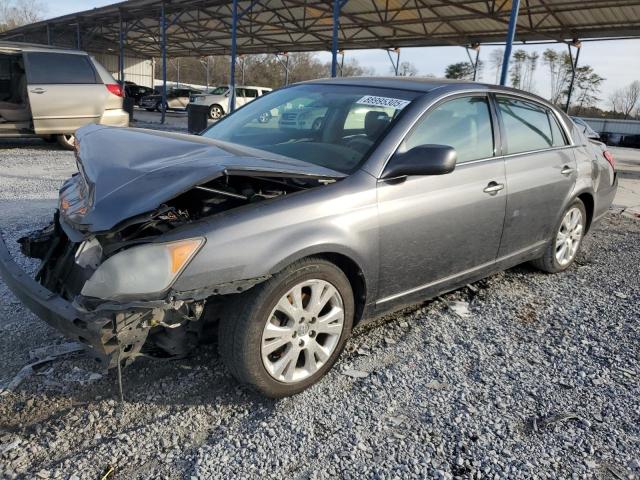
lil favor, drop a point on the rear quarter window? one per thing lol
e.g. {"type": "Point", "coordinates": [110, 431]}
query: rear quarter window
{"type": "Point", "coordinates": [59, 68]}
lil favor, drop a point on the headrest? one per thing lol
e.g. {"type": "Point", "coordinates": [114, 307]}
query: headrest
{"type": "Point", "coordinates": [375, 122]}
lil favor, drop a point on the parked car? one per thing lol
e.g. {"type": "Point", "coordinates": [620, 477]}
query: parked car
{"type": "Point", "coordinates": [137, 92]}
{"type": "Point", "coordinates": [586, 128]}
{"type": "Point", "coordinates": [51, 92]}
{"type": "Point", "coordinates": [177, 98]}
{"type": "Point", "coordinates": [611, 139]}
{"type": "Point", "coordinates": [218, 100]}
{"type": "Point", "coordinates": [283, 239]}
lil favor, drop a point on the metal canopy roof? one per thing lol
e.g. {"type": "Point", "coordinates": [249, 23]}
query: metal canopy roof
{"type": "Point", "coordinates": [203, 27]}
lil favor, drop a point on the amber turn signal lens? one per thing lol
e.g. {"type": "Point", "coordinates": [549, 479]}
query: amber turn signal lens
{"type": "Point", "coordinates": [181, 253]}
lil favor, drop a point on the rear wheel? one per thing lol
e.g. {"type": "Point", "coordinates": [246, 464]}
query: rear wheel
{"type": "Point", "coordinates": [66, 141]}
{"type": "Point", "coordinates": [283, 335]}
{"type": "Point", "coordinates": [216, 112]}
{"type": "Point", "coordinates": [563, 249]}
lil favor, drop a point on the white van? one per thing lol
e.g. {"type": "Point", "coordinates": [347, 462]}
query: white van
{"type": "Point", "coordinates": [51, 92]}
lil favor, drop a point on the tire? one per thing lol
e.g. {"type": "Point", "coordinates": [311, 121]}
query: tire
{"type": "Point", "coordinates": [243, 329]}
{"type": "Point", "coordinates": [553, 261]}
{"type": "Point", "coordinates": [150, 109]}
{"type": "Point", "coordinates": [216, 112]}
{"type": "Point", "coordinates": [66, 141]}
{"type": "Point", "coordinates": [264, 117]}
{"type": "Point", "coordinates": [158, 107]}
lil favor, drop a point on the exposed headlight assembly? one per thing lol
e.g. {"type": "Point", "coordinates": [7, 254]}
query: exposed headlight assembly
{"type": "Point", "coordinates": [141, 270]}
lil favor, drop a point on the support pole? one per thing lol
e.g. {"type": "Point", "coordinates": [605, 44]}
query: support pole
{"type": "Point", "coordinates": [163, 48]}
{"type": "Point", "coordinates": [574, 66]}
{"type": "Point", "coordinates": [511, 33]}
{"type": "Point", "coordinates": [234, 54]}
{"type": "Point", "coordinates": [475, 66]}
{"type": "Point", "coordinates": [394, 64]}
{"type": "Point", "coordinates": [334, 38]}
{"type": "Point", "coordinates": [208, 79]}
{"type": "Point", "coordinates": [48, 34]}
{"type": "Point", "coordinates": [286, 71]}
{"type": "Point", "coordinates": [121, 50]}
{"type": "Point", "coordinates": [78, 36]}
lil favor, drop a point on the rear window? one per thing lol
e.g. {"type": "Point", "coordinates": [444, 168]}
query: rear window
{"type": "Point", "coordinates": [59, 68]}
{"type": "Point", "coordinates": [528, 126]}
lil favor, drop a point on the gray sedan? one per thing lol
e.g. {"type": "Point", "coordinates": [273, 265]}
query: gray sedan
{"type": "Point", "coordinates": [282, 239]}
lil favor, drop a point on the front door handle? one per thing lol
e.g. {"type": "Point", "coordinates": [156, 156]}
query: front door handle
{"type": "Point", "coordinates": [566, 170]}
{"type": "Point", "coordinates": [38, 90]}
{"type": "Point", "coordinates": [493, 188]}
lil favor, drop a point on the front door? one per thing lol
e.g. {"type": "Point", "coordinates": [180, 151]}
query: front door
{"type": "Point", "coordinates": [436, 228]}
{"type": "Point", "coordinates": [64, 91]}
{"type": "Point", "coordinates": [541, 172]}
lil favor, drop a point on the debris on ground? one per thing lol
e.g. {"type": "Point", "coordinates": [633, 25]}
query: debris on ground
{"type": "Point", "coordinates": [351, 372]}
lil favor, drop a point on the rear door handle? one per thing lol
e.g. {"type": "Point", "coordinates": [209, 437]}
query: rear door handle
{"type": "Point", "coordinates": [38, 90]}
{"type": "Point", "coordinates": [566, 170]}
{"type": "Point", "coordinates": [493, 188]}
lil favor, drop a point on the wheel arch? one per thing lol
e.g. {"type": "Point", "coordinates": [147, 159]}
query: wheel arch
{"type": "Point", "coordinates": [588, 201]}
{"type": "Point", "coordinates": [348, 265]}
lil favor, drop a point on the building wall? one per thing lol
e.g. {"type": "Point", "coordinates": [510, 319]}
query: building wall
{"type": "Point", "coordinates": [136, 69]}
{"type": "Point", "coordinates": [623, 127]}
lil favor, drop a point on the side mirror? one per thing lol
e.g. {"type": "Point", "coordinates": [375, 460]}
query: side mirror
{"type": "Point", "coordinates": [422, 160]}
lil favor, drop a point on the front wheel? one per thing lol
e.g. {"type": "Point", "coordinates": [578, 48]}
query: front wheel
{"type": "Point", "coordinates": [66, 141]}
{"type": "Point", "coordinates": [215, 112]}
{"type": "Point", "coordinates": [283, 335]}
{"type": "Point", "coordinates": [564, 246]}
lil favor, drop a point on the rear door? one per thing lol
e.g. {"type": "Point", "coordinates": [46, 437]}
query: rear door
{"type": "Point", "coordinates": [541, 172]}
{"type": "Point", "coordinates": [65, 91]}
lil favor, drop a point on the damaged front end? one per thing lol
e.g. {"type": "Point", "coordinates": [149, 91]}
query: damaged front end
{"type": "Point", "coordinates": [107, 272]}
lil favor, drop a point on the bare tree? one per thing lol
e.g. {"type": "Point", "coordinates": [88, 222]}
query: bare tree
{"type": "Point", "coordinates": [559, 65]}
{"type": "Point", "coordinates": [495, 60]}
{"type": "Point", "coordinates": [629, 97]}
{"type": "Point", "coordinates": [407, 69]}
{"type": "Point", "coordinates": [615, 100]}
{"type": "Point", "coordinates": [14, 13]}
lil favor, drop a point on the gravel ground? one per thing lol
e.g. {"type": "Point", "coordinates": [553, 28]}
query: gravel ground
{"type": "Point", "coordinates": [539, 379]}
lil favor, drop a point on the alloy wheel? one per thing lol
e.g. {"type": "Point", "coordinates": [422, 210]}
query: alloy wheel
{"type": "Point", "coordinates": [302, 331]}
{"type": "Point", "coordinates": [215, 112]}
{"type": "Point", "coordinates": [569, 236]}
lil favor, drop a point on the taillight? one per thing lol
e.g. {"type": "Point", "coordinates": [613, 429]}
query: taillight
{"type": "Point", "coordinates": [116, 89]}
{"type": "Point", "coordinates": [609, 156]}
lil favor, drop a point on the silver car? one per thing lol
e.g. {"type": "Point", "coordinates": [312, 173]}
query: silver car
{"type": "Point", "coordinates": [51, 92]}
{"type": "Point", "coordinates": [283, 239]}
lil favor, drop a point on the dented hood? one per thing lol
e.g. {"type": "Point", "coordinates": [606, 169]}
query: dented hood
{"type": "Point", "coordinates": [125, 172]}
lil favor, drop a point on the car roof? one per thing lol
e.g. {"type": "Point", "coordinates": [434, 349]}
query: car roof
{"type": "Point", "coordinates": [34, 47]}
{"type": "Point", "coordinates": [418, 84]}
{"type": "Point", "coordinates": [426, 85]}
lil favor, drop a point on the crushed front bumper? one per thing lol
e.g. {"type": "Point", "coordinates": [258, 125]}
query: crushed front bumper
{"type": "Point", "coordinates": [109, 335]}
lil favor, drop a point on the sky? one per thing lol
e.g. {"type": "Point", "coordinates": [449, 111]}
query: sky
{"type": "Point", "coordinates": [617, 61]}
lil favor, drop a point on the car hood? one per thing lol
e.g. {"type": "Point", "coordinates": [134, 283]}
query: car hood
{"type": "Point", "coordinates": [125, 172]}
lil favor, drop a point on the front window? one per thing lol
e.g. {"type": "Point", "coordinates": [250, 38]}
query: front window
{"type": "Point", "coordinates": [219, 90]}
{"type": "Point", "coordinates": [334, 126]}
{"type": "Point", "coordinates": [463, 123]}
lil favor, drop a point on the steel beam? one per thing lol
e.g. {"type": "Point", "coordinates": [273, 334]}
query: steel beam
{"type": "Point", "coordinates": [163, 48]}
{"type": "Point", "coordinates": [574, 66]}
{"type": "Point", "coordinates": [334, 38]}
{"type": "Point", "coordinates": [121, 50]}
{"type": "Point", "coordinates": [511, 33]}
{"type": "Point", "coordinates": [234, 54]}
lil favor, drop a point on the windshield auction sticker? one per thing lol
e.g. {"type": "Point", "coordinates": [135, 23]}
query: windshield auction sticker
{"type": "Point", "coordinates": [384, 102]}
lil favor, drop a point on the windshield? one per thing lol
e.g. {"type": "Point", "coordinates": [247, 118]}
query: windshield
{"type": "Point", "coordinates": [334, 126]}
{"type": "Point", "coordinates": [219, 90]}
